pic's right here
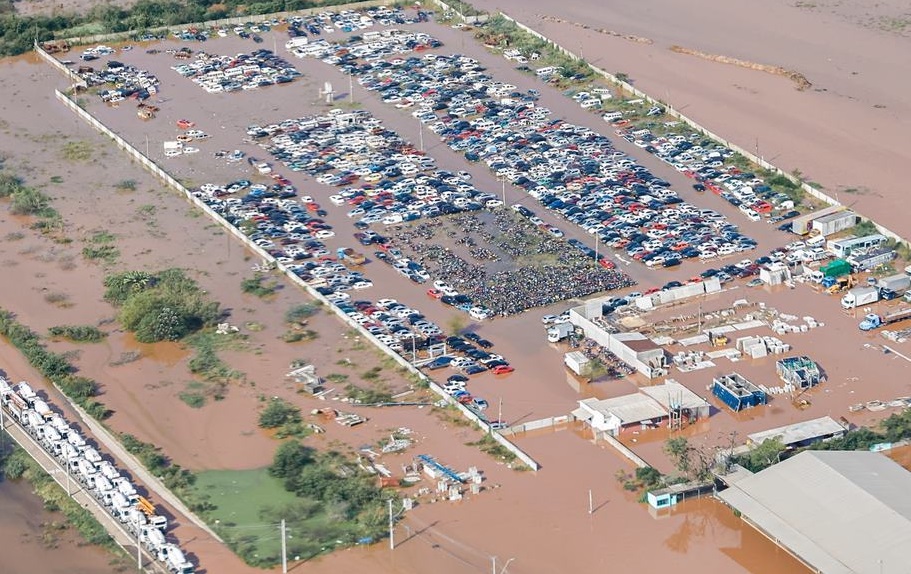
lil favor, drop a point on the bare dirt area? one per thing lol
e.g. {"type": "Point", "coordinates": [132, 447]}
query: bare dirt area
{"type": "Point", "coordinates": [41, 537]}
{"type": "Point", "coordinates": [844, 133]}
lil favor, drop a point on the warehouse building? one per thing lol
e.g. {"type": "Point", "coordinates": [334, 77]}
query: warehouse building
{"type": "Point", "coordinates": [838, 512]}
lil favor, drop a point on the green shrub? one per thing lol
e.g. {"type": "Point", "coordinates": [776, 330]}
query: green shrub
{"type": "Point", "coordinates": [78, 333]}
{"type": "Point", "coordinates": [277, 413]}
{"type": "Point", "coordinates": [166, 306]}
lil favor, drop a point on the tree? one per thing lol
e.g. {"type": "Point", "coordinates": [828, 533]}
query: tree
{"type": "Point", "coordinates": [680, 453]}
{"type": "Point", "coordinates": [762, 456]}
{"type": "Point", "coordinates": [279, 413]}
{"type": "Point", "coordinates": [290, 458]}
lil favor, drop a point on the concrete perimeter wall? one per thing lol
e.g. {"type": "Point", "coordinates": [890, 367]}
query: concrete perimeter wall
{"type": "Point", "coordinates": [622, 449]}
{"type": "Point", "coordinates": [810, 190]}
{"type": "Point", "coordinates": [70, 74]}
{"type": "Point", "coordinates": [171, 182]}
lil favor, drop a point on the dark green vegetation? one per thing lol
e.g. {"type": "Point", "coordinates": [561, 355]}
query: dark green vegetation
{"type": "Point", "coordinates": [54, 366]}
{"type": "Point", "coordinates": [283, 417]}
{"type": "Point", "coordinates": [164, 306]}
{"type": "Point", "coordinates": [18, 32]}
{"type": "Point", "coordinates": [324, 499]}
{"type": "Point", "coordinates": [100, 246]}
{"type": "Point", "coordinates": [16, 464]}
{"type": "Point", "coordinates": [487, 444]}
{"type": "Point", "coordinates": [175, 478]}
{"type": "Point", "coordinates": [206, 363]}
{"type": "Point", "coordinates": [24, 200]}
{"type": "Point", "coordinates": [78, 333]}
{"type": "Point", "coordinates": [260, 286]}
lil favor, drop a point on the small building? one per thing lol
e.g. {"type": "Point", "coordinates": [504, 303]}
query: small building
{"type": "Point", "coordinates": [639, 352]}
{"type": "Point", "coordinates": [578, 363]}
{"type": "Point", "coordinates": [801, 372]}
{"type": "Point", "coordinates": [774, 274]}
{"type": "Point", "coordinates": [615, 415]}
{"type": "Point", "coordinates": [845, 247]}
{"type": "Point", "coordinates": [871, 259]}
{"type": "Point", "coordinates": [834, 222]}
{"type": "Point", "coordinates": [665, 497]}
{"type": "Point", "coordinates": [680, 403]}
{"type": "Point", "coordinates": [737, 392]}
{"type": "Point", "coordinates": [800, 434]}
{"type": "Point", "coordinates": [801, 224]}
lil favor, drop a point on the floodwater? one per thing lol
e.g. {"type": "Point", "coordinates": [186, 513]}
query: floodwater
{"type": "Point", "coordinates": [27, 527]}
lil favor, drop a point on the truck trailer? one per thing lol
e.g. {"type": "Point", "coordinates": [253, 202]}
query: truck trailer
{"type": "Point", "coordinates": [873, 321]}
{"type": "Point", "coordinates": [860, 296]}
{"type": "Point", "coordinates": [897, 283]}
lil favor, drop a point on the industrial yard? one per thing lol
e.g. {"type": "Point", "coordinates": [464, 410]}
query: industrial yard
{"type": "Point", "coordinates": [477, 342]}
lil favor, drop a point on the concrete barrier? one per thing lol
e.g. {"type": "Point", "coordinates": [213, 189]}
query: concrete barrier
{"type": "Point", "coordinates": [622, 449]}
{"type": "Point", "coordinates": [760, 161]}
{"type": "Point", "coordinates": [72, 76]}
{"type": "Point", "coordinates": [147, 163]}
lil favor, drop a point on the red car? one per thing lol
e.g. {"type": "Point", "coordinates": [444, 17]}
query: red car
{"type": "Point", "coordinates": [435, 293]}
{"type": "Point", "coordinates": [503, 370]}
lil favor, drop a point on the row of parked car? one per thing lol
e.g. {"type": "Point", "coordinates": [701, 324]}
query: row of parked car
{"type": "Point", "coordinates": [216, 74]}
{"type": "Point", "coordinates": [570, 169]}
{"type": "Point", "coordinates": [286, 226]}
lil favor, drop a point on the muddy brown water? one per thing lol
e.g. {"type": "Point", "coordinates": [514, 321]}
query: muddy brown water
{"type": "Point", "coordinates": [39, 545]}
{"type": "Point", "coordinates": [155, 229]}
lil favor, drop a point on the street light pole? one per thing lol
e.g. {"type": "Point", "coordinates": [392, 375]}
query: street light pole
{"type": "Point", "coordinates": [391, 528]}
{"type": "Point", "coordinates": [284, 550]}
{"type": "Point", "coordinates": [503, 183]}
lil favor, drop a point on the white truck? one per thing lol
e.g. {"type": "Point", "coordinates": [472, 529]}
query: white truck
{"type": "Point", "coordinates": [560, 331]}
{"type": "Point", "coordinates": [860, 296]}
{"type": "Point", "coordinates": [174, 559]}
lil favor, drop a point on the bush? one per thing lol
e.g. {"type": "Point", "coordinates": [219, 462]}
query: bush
{"type": "Point", "coordinates": [258, 286]}
{"type": "Point", "coordinates": [78, 333]}
{"type": "Point", "coordinates": [277, 413]}
{"type": "Point", "coordinates": [302, 312]}
{"type": "Point", "coordinates": [166, 306]}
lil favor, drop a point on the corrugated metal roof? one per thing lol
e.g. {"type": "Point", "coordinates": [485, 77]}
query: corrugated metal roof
{"type": "Point", "coordinates": [629, 409]}
{"type": "Point", "coordinates": [841, 512]}
{"type": "Point", "coordinates": [799, 432]}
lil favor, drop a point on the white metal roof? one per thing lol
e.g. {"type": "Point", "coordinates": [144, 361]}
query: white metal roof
{"type": "Point", "coordinates": [672, 391]}
{"type": "Point", "coordinates": [841, 512]}
{"type": "Point", "coordinates": [628, 408]}
{"type": "Point", "coordinates": [799, 432]}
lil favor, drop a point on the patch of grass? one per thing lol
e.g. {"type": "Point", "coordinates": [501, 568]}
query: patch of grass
{"type": "Point", "coordinates": [260, 286]}
{"type": "Point", "coordinates": [300, 313]}
{"type": "Point", "coordinates": [125, 185]}
{"type": "Point", "coordinates": [107, 253]}
{"type": "Point", "coordinates": [206, 363]}
{"type": "Point", "coordinates": [196, 394]}
{"type": "Point", "coordinates": [59, 299]}
{"type": "Point", "coordinates": [56, 179]}
{"type": "Point", "coordinates": [78, 333]}
{"type": "Point", "coordinates": [488, 445]}
{"type": "Point", "coordinates": [232, 500]}
{"type": "Point", "coordinates": [369, 395]}
{"type": "Point", "coordinates": [125, 358]}
{"type": "Point", "coordinates": [298, 335]}
{"type": "Point", "coordinates": [77, 151]}
{"type": "Point", "coordinates": [14, 236]}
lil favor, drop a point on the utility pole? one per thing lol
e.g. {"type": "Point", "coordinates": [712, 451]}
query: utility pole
{"type": "Point", "coordinates": [421, 126]}
{"type": "Point", "coordinates": [597, 243]}
{"type": "Point", "coordinates": [500, 411]}
{"type": "Point", "coordinates": [351, 87]}
{"type": "Point", "coordinates": [66, 465]}
{"type": "Point", "coordinates": [284, 550]}
{"type": "Point", "coordinates": [391, 528]}
{"type": "Point", "coordinates": [591, 503]}
{"type": "Point", "coordinates": [493, 565]}
{"type": "Point", "coordinates": [503, 183]}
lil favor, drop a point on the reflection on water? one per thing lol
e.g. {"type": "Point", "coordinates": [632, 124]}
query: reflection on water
{"type": "Point", "coordinates": [705, 521]}
{"type": "Point", "coordinates": [166, 352]}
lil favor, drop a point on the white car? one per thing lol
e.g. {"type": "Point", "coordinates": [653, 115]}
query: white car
{"type": "Point", "coordinates": [548, 319]}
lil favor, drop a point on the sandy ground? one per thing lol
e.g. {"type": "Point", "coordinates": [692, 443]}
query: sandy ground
{"type": "Point", "coordinates": [847, 132]}
{"type": "Point", "coordinates": [143, 394]}
{"type": "Point", "coordinates": [24, 523]}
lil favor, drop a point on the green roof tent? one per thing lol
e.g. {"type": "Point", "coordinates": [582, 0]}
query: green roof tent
{"type": "Point", "coordinates": [836, 268]}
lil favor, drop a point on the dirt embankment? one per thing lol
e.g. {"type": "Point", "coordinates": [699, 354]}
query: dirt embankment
{"type": "Point", "coordinates": [630, 37]}
{"type": "Point", "coordinates": [800, 81]}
